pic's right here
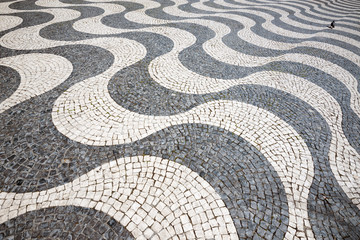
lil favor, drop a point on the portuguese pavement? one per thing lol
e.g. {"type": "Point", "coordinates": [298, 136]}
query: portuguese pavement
{"type": "Point", "coordinates": [180, 119]}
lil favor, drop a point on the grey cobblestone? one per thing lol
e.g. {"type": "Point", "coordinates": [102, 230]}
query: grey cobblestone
{"type": "Point", "coordinates": [184, 119]}
{"type": "Point", "coordinates": [64, 223]}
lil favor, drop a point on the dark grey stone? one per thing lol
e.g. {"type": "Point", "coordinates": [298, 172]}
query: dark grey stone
{"type": "Point", "coordinates": [9, 82]}
{"type": "Point", "coordinates": [67, 222]}
{"type": "Point", "coordinates": [35, 156]}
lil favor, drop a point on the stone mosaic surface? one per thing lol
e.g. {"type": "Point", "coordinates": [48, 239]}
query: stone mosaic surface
{"type": "Point", "coordinates": [180, 119]}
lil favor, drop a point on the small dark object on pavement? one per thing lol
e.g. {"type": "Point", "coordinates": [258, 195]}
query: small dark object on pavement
{"type": "Point", "coordinates": [332, 25]}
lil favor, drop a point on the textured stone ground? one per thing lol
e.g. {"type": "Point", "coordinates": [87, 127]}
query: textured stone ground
{"type": "Point", "coordinates": [216, 119]}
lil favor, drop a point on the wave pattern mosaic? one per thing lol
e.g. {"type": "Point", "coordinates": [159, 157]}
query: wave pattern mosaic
{"type": "Point", "coordinates": [198, 119]}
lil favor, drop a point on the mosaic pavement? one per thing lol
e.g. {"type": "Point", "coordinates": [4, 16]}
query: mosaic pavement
{"type": "Point", "coordinates": [159, 119]}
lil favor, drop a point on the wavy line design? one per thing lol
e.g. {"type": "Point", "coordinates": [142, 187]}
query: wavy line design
{"type": "Point", "coordinates": [126, 189]}
{"type": "Point", "coordinates": [114, 125]}
{"type": "Point", "coordinates": [39, 73]}
{"type": "Point", "coordinates": [8, 22]}
{"type": "Point", "coordinates": [163, 83]}
{"type": "Point", "coordinates": [89, 222]}
{"type": "Point", "coordinates": [221, 52]}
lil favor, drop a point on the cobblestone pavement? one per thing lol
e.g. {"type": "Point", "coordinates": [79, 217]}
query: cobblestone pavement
{"type": "Point", "coordinates": [159, 119]}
